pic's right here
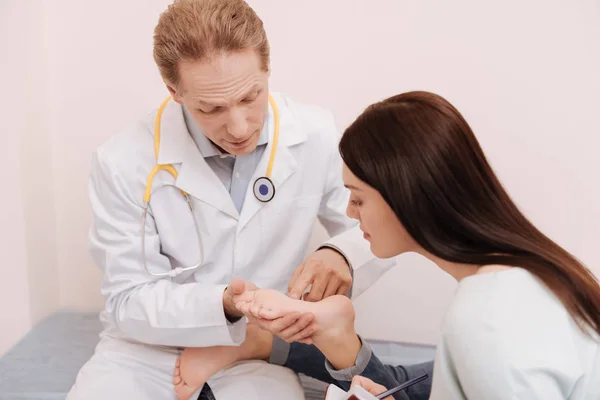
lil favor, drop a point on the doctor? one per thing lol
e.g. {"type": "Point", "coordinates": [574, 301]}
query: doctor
{"type": "Point", "coordinates": [226, 179]}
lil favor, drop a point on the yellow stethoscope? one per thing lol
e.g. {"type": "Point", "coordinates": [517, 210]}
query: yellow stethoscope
{"type": "Point", "coordinates": [264, 189]}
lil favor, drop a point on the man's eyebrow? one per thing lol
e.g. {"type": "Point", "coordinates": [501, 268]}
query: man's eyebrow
{"type": "Point", "coordinates": [207, 104]}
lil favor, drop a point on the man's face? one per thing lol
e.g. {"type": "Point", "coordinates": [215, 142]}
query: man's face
{"type": "Point", "coordinates": [228, 97]}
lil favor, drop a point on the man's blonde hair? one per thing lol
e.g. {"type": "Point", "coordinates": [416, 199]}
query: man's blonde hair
{"type": "Point", "coordinates": [196, 30]}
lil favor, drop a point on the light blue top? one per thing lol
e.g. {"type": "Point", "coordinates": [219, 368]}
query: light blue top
{"type": "Point", "coordinates": [235, 172]}
{"type": "Point", "coordinates": [506, 336]}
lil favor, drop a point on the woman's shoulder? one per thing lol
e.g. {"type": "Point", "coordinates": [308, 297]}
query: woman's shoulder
{"type": "Point", "coordinates": [507, 292]}
{"type": "Point", "coordinates": [510, 303]}
{"type": "Point", "coordinates": [503, 325]}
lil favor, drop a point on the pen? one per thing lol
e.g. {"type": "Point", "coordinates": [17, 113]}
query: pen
{"type": "Point", "coordinates": [403, 386]}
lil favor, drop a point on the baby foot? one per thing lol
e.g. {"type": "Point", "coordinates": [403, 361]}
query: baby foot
{"type": "Point", "coordinates": [197, 365]}
{"type": "Point", "coordinates": [183, 390]}
{"type": "Point", "coordinates": [266, 303]}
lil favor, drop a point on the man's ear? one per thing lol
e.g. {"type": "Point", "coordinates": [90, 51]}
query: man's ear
{"type": "Point", "coordinates": [174, 94]}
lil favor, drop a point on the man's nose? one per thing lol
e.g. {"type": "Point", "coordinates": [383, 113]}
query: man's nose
{"type": "Point", "coordinates": [237, 126]}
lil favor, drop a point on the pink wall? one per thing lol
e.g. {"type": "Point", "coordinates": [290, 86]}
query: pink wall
{"type": "Point", "coordinates": [524, 74]}
{"type": "Point", "coordinates": [29, 288]}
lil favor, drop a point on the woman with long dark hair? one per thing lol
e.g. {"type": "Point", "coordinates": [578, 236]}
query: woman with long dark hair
{"type": "Point", "coordinates": [525, 320]}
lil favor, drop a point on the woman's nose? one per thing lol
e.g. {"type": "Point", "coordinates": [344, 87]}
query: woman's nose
{"type": "Point", "coordinates": [351, 212]}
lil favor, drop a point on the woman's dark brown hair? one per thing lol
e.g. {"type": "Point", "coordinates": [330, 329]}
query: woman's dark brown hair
{"type": "Point", "coordinates": [417, 150]}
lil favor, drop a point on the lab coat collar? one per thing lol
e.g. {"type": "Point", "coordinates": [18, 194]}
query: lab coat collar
{"type": "Point", "coordinates": [284, 164]}
{"type": "Point", "coordinates": [197, 178]}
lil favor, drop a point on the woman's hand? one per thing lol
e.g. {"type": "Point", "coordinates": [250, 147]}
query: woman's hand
{"type": "Point", "coordinates": [369, 386]}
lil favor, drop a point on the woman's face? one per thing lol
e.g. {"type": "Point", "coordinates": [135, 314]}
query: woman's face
{"type": "Point", "coordinates": [379, 223]}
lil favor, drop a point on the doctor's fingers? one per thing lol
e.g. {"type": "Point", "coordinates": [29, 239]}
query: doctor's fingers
{"type": "Point", "coordinates": [282, 324]}
{"type": "Point", "coordinates": [292, 284]}
{"type": "Point", "coordinates": [244, 307]}
{"type": "Point", "coordinates": [305, 337]}
{"type": "Point", "coordinates": [304, 279]}
{"type": "Point", "coordinates": [319, 285]}
{"type": "Point", "coordinates": [246, 297]}
{"type": "Point", "coordinates": [290, 325]}
{"type": "Point", "coordinates": [300, 331]}
{"type": "Point", "coordinates": [333, 287]}
{"type": "Point", "coordinates": [251, 310]}
{"type": "Point", "coordinates": [255, 310]}
{"type": "Point", "coordinates": [344, 288]}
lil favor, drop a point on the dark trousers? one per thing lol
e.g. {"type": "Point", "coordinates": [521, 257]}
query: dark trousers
{"type": "Point", "coordinates": [206, 393]}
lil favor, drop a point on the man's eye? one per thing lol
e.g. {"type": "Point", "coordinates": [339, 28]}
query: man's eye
{"type": "Point", "coordinates": [250, 99]}
{"type": "Point", "coordinates": [211, 111]}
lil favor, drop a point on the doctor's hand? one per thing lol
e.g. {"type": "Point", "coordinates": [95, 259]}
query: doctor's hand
{"type": "Point", "coordinates": [294, 327]}
{"type": "Point", "coordinates": [328, 273]}
{"type": "Point", "coordinates": [236, 288]}
{"type": "Point", "coordinates": [278, 314]}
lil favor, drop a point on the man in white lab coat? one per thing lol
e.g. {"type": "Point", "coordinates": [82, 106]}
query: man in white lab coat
{"type": "Point", "coordinates": [223, 132]}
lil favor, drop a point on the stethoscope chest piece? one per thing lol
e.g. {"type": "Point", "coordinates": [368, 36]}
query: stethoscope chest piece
{"type": "Point", "coordinates": [264, 190]}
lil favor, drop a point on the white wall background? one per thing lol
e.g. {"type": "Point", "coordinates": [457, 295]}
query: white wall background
{"type": "Point", "coordinates": [524, 74]}
{"type": "Point", "coordinates": [15, 314]}
{"type": "Point", "coordinates": [28, 270]}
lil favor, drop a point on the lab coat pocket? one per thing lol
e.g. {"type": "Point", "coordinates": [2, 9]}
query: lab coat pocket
{"type": "Point", "coordinates": [181, 238]}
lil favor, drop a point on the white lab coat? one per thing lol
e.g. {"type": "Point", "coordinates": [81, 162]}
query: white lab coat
{"type": "Point", "coordinates": [148, 320]}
